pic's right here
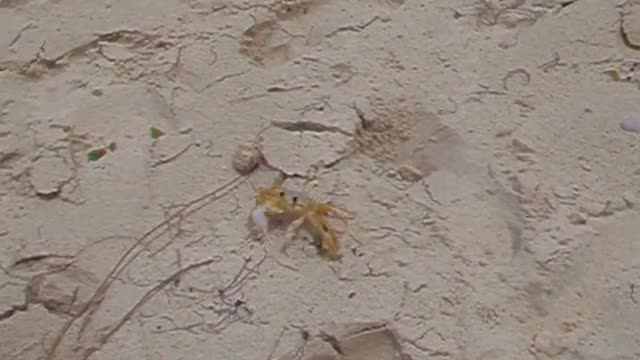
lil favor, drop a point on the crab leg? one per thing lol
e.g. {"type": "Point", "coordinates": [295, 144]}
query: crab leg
{"type": "Point", "coordinates": [329, 240]}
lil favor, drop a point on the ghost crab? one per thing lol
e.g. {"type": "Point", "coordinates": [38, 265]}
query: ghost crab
{"type": "Point", "coordinates": [300, 212]}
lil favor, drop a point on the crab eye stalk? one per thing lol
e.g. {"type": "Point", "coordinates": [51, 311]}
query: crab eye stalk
{"type": "Point", "coordinates": [294, 200]}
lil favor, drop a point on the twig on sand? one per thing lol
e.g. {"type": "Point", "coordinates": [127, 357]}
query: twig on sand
{"type": "Point", "coordinates": [229, 305]}
{"type": "Point", "coordinates": [148, 296]}
{"type": "Point", "coordinates": [88, 310]}
{"type": "Point", "coordinates": [231, 309]}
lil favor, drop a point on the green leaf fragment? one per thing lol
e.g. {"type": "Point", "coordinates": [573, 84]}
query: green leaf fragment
{"type": "Point", "coordinates": [96, 154]}
{"type": "Point", "coordinates": [112, 146]}
{"type": "Point", "coordinates": [156, 133]}
{"type": "Point", "coordinates": [614, 74]}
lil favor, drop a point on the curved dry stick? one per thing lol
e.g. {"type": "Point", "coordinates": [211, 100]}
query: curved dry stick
{"type": "Point", "coordinates": [97, 296]}
{"type": "Point", "coordinates": [115, 272]}
{"type": "Point", "coordinates": [514, 72]}
{"type": "Point", "coordinates": [143, 300]}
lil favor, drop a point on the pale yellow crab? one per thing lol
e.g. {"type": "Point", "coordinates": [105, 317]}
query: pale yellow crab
{"type": "Point", "coordinates": [300, 212]}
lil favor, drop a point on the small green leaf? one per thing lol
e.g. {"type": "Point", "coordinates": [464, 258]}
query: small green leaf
{"type": "Point", "coordinates": [614, 74]}
{"type": "Point", "coordinates": [156, 133]}
{"type": "Point", "coordinates": [96, 154]}
{"type": "Point", "coordinates": [112, 146]}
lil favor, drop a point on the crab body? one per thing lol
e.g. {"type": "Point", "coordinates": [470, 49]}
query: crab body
{"type": "Point", "coordinates": [299, 212]}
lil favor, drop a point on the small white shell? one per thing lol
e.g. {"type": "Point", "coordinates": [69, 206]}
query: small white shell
{"type": "Point", "coordinates": [631, 124]}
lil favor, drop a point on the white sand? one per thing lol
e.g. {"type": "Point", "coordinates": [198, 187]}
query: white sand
{"type": "Point", "coordinates": [494, 189]}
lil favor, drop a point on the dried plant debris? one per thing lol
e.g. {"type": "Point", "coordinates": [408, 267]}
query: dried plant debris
{"type": "Point", "coordinates": [156, 133]}
{"type": "Point", "coordinates": [627, 71]}
{"type": "Point", "coordinates": [99, 153]}
{"type": "Point", "coordinates": [96, 154]}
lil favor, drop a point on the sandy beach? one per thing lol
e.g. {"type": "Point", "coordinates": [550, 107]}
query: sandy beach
{"type": "Point", "coordinates": [487, 152]}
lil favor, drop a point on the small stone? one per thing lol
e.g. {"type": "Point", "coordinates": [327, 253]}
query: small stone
{"type": "Point", "coordinates": [246, 158]}
{"type": "Point", "coordinates": [184, 130]}
{"type": "Point", "coordinates": [409, 173]}
{"type": "Point", "coordinates": [584, 163]}
{"type": "Point", "coordinates": [629, 199]}
{"type": "Point", "coordinates": [631, 124]}
{"type": "Point", "coordinates": [504, 132]}
{"type": "Point", "coordinates": [521, 147]}
{"type": "Point", "coordinates": [546, 343]}
{"type": "Point", "coordinates": [577, 218]}
{"type": "Point", "coordinates": [563, 192]}
{"type": "Point", "coordinates": [594, 208]}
